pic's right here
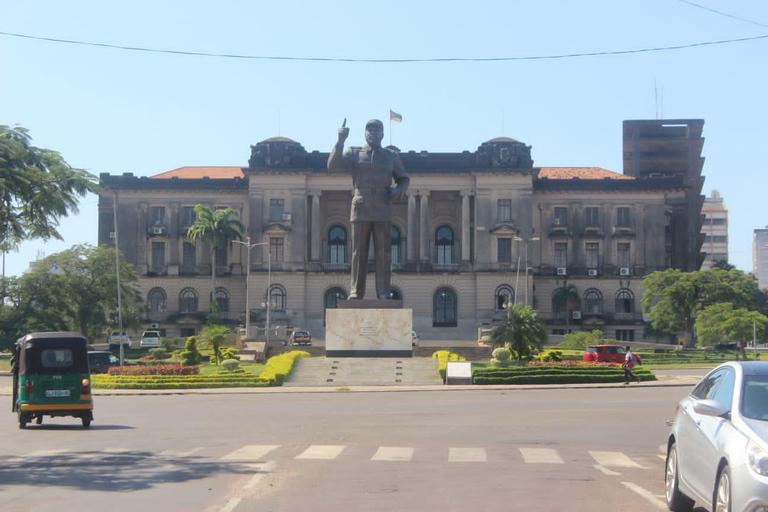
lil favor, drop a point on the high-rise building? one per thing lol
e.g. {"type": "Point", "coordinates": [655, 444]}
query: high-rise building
{"type": "Point", "coordinates": [760, 257]}
{"type": "Point", "coordinates": [715, 230]}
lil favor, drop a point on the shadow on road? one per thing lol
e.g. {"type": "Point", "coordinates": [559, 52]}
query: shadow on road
{"type": "Point", "coordinates": [76, 427]}
{"type": "Point", "coordinates": [110, 471]}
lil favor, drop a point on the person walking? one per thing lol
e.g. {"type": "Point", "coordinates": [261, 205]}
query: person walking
{"type": "Point", "coordinates": [629, 362]}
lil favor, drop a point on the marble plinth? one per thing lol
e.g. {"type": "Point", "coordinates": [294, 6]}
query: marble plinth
{"type": "Point", "coordinates": [368, 332]}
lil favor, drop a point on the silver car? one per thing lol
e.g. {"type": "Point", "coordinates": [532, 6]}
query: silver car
{"type": "Point", "coordinates": [717, 451]}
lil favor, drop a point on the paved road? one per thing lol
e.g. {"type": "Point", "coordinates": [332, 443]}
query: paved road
{"type": "Point", "coordinates": [595, 449]}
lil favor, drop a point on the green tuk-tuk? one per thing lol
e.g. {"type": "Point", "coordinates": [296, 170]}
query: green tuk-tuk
{"type": "Point", "coordinates": [51, 377]}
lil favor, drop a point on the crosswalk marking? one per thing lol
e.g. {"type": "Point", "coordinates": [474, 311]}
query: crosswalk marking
{"type": "Point", "coordinates": [541, 456]}
{"type": "Point", "coordinates": [320, 451]}
{"type": "Point", "coordinates": [393, 453]}
{"type": "Point", "coordinates": [179, 453]}
{"type": "Point", "coordinates": [466, 455]}
{"type": "Point", "coordinates": [615, 459]}
{"type": "Point", "coordinates": [251, 452]}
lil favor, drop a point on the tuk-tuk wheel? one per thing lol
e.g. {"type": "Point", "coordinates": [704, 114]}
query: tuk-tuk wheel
{"type": "Point", "coordinates": [22, 420]}
{"type": "Point", "coordinates": [39, 420]}
{"type": "Point", "coordinates": [86, 422]}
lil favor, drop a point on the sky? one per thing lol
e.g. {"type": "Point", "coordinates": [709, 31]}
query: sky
{"type": "Point", "coordinates": [110, 110]}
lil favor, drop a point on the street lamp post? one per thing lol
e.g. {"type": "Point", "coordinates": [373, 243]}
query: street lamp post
{"type": "Point", "coordinates": [250, 246]}
{"type": "Point", "coordinates": [526, 240]}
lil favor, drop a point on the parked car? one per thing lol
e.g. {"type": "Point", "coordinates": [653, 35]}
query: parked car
{"type": "Point", "coordinates": [607, 354]}
{"type": "Point", "coordinates": [100, 361]}
{"type": "Point", "coordinates": [414, 339]}
{"type": "Point", "coordinates": [150, 339]}
{"type": "Point", "coordinates": [717, 449]}
{"type": "Point", "coordinates": [115, 338]}
{"type": "Point", "coordinates": [300, 338]}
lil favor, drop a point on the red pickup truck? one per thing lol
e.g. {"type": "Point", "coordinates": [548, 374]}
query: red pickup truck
{"type": "Point", "coordinates": [300, 338]}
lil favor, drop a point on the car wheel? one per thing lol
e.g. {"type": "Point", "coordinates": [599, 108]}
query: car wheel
{"type": "Point", "coordinates": [722, 501]}
{"type": "Point", "coordinates": [676, 500]}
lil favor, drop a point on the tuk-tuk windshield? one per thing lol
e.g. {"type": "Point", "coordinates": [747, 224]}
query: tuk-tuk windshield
{"type": "Point", "coordinates": [56, 357]}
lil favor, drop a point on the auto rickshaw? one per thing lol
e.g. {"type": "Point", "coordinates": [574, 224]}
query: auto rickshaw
{"type": "Point", "coordinates": [51, 377]}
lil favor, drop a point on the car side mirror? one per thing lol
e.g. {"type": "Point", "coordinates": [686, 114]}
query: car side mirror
{"type": "Point", "coordinates": [711, 408]}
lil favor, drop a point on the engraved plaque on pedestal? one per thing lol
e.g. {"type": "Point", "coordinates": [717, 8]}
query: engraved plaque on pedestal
{"type": "Point", "coordinates": [368, 332]}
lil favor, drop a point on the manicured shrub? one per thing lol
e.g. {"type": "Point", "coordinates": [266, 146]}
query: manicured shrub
{"type": "Point", "coordinates": [230, 364]}
{"type": "Point", "coordinates": [226, 353]}
{"type": "Point", "coordinates": [443, 357]}
{"type": "Point", "coordinates": [278, 367]}
{"type": "Point", "coordinates": [550, 356]}
{"type": "Point", "coordinates": [158, 353]}
{"type": "Point", "coordinates": [567, 372]}
{"type": "Point", "coordinates": [191, 354]}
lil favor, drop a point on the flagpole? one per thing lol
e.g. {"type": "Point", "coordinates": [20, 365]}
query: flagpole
{"type": "Point", "coordinates": [390, 129]}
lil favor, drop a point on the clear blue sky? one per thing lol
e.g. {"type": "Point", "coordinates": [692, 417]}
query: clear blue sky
{"type": "Point", "coordinates": [115, 111]}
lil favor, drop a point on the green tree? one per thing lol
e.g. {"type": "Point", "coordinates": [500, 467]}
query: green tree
{"type": "Point", "coordinates": [215, 335]}
{"type": "Point", "coordinates": [75, 290]}
{"type": "Point", "coordinates": [583, 339]}
{"type": "Point", "coordinates": [191, 356]}
{"type": "Point", "coordinates": [218, 227]}
{"type": "Point", "coordinates": [522, 331]}
{"type": "Point", "coordinates": [37, 188]}
{"type": "Point", "coordinates": [673, 298]}
{"type": "Point", "coordinates": [567, 298]}
{"type": "Point", "coordinates": [722, 322]}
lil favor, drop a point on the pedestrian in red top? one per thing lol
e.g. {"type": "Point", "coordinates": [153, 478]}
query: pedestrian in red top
{"type": "Point", "coordinates": [629, 362]}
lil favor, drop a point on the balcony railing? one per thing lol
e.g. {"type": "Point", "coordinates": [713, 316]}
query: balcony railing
{"type": "Point", "coordinates": [335, 267]}
{"type": "Point", "coordinates": [186, 270]}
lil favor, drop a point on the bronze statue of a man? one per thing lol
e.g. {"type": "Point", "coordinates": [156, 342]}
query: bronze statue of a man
{"type": "Point", "coordinates": [374, 168]}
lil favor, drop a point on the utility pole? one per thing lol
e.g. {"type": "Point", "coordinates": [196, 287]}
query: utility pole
{"type": "Point", "coordinates": [117, 274]}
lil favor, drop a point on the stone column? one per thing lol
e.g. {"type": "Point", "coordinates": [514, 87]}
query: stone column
{"type": "Point", "coordinates": [410, 235]}
{"type": "Point", "coordinates": [465, 246]}
{"type": "Point", "coordinates": [316, 238]}
{"type": "Point", "coordinates": [141, 238]}
{"type": "Point", "coordinates": [424, 228]}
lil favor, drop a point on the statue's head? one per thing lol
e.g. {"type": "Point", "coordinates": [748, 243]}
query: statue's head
{"type": "Point", "coordinates": [374, 133]}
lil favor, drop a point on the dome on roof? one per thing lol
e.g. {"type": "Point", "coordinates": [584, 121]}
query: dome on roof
{"type": "Point", "coordinates": [504, 139]}
{"type": "Point", "coordinates": [278, 139]}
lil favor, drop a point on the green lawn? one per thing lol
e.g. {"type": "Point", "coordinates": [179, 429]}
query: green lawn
{"type": "Point", "coordinates": [253, 368]}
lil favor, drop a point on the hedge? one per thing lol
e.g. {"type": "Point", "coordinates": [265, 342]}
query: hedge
{"type": "Point", "coordinates": [443, 357]}
{"type": "Point", "coordinates": [557, 373]}
{"type": "Point", "coordinates": [176, 381]}
{"type": "Point", "coordinates": [279, 367]}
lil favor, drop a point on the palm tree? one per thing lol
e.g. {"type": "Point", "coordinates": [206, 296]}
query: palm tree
{"type": "Point", "coordinates": [218, 227]}
{"type": "Point", "coordinates": [567, 298]}
{"type": "Point", "coordinates": [523, 330]}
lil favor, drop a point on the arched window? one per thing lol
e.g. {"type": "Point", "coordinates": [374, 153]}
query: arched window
{"type": "Point", "coordinates": [397, 255]}
{"type": "Point", "coordinates": [333, 296]}
{"type": "Point", "coordinates": [222, 299]}
{"type": "Point", "coordinates": [337, 245]}
{"type": "Point", "coordinates": [395, 294]}
{"type": "Point", "coordinates": [444, 308]}
{"type": "Point", "coordinates": [444, 244]}
{"type": "Point", "coordinates": [593, 302]}
{"type": "Point", "coordinates": [187, 301]}
{"type": "Point", "coordinates": [558, 304]}
{"type": "Point", "coordinates": [505, 296]}
{"type": "Point", "coordinates": [625, 301]}
{"type": "Point", "coordinates": [277, 297]}
{"type": "Point", "coordinates": [156, 300]}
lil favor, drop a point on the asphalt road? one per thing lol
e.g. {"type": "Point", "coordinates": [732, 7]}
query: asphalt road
{"type": "Point", "coordinates": [540, 450]}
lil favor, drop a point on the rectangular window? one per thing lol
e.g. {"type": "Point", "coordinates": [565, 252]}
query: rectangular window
{"type": "Point", "coordinates": [593, 216]}
{"type": "Point", "coordinates": [189, 257]}
{"type": "Point", "coordinates": [277, 249]}
{"type": "Point", "coordinates": [505, 250]}
{"type": "Point", "coordinates": [719, 222]}
{"type": "Point", "coordinates": [504, 209]}
{"type": "Point", "coordinates": [158, 215]}
{"type": "Point", "coordinates": [276, 208]}
{"type": "Point", "coordinates": [188, 215]}
{"type": "Point", "coordinates": [622, 253]}
{"type": "Point", "coordinates": [221, 257]}
{"type": "Point", "coordinates": [561, 216]}
{"type": "Point", "coordinates": [158, 256]}
{"type": "Point", "coordinates": [625, 335]}
{"type": "Point", "coordinates": [622, 217]}
{"type": "Point", "coordinates": [593, 250]}
{"type": "Point", "coordinates": [561, 255]}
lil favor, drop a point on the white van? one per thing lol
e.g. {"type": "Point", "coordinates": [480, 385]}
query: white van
{"type": "Point", "coordinates": [116, 339]}
{"type": "Point", "coordinates": [150, 339]}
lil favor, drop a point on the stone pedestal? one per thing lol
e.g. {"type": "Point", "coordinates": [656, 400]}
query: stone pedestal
{"type": "Point", "coordinates": [368, 328]}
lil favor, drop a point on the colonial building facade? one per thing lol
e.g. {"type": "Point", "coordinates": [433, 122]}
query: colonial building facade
{"type": "Point", "coordinates": [477, 231]}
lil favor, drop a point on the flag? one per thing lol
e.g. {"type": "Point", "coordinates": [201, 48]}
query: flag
{"type": "Point", "coordinates": [393, 116]}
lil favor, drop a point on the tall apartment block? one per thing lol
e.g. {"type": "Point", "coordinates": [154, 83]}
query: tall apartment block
{"type": "Point", "coordinates": [715, 230]}
{"type": "Point", "coordinates": [760, 257]}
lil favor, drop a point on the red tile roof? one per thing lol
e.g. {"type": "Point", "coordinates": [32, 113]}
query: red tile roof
{"type": "Point", "coordinates": [196, 173]}
{"type": "Point", "coordinates": [584, 173]}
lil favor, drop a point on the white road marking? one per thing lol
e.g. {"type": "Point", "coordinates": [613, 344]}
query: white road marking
{"type": "Point", "coordinates": [605, 470]}
{"type": "Point", "coordinates": [541, 456]}
{"type": "Point", "coordinates": [261, 470]}
{"type": "Point", "coordinates": [319, 451]}
{"type": "Point", "coordinates": [466, 455]}
{"type": "Point", "coordinates": [615, 459]}
{"type": "Point", "coordinates": [179, 453]}
{"type": "Point", "coordinates": [231, 504]}
{"type": "Point", "coordinates": [251, 452]}
{"type": "Point", "coordinates": [393, 453]}
{"type": "Point", "coordinates": [649, 497]}
{"type": "Point", "coordinates": [47, 453]}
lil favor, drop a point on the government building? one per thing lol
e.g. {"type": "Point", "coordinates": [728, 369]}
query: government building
{"type": "Point", "coordinates": [477, 231]}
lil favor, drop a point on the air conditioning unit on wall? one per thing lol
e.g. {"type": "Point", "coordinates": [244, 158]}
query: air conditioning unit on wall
{"type": "Point", "coordinates": [577, 315]}
{"type": "Point", "coordinates": [286, 216]}
{"type": "Point", "coordinates": [158, 231]}
{"type": "Point", "coordinates": [624, 271]}
{"type": "Point", "coordinates": [592, 272]}
{"type": "Point", "coordinates": [561, 271]}
{"type": "Point", "coordinates": [155, 326]}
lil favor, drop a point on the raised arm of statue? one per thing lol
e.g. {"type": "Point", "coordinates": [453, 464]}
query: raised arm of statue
{"type": "Point", "coordinates": [335, 160]}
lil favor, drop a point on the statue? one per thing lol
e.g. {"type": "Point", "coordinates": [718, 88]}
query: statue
{"type": "Point", "coordinates": [373, 170]}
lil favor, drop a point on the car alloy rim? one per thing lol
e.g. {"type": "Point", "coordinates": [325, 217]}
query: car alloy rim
{"type": "Point", "coordinates": [723, 493]}
{"type": "Point", "coordinates": [671, 473]}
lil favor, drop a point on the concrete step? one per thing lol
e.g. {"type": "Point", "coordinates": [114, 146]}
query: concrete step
{"type": "Point", "coordinates": [364, 371]}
